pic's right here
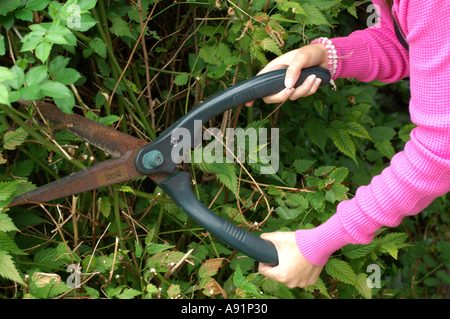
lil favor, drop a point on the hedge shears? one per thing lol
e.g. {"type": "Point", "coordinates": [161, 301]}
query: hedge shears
{"type": "Point", "coordinates": [134, 158]}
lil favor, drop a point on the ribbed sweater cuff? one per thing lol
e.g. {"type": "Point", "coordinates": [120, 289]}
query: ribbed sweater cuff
{"type": "Point", "coordinates": [352, 52]}
{"type": "Point", "coordinates": [319, 243]}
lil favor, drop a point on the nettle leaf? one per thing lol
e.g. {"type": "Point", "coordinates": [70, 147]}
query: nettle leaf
{"type": "Point", "coordinates": [207, 53]}
{"type": "Point", "coordinates": [7, 268]}
{"type": "Point", "coordinates": [404, 133]}
{"type": "Point", "coordinates": [153, 248]}
{"type": "Point", "coordinates": [98, 46]}
{"type": "Point", "coordinates": [181, 79]}
{"type": "Point", "coordinates": [302, 165]}
{"type": "Point", "coordinates": [362, 287]}
{"type": "Point", "coordinates": [8, 245]}
{"type": "Point", "coordinates": [105, 206]}
{"type": "Point", "coordinates": [15, 138]}
{"type": "Point", "coordinates": [6, 223]}
{"type": "Point", "coordinates": [314, 16]}
{"type": "Point", "coordinates": [120, 28]}
{"type": "Point", "coordinates": [238, 277]}
{"type": "Point", "coordinates": [210, 267]}
{"type": "Point", "coordinates": [341, 270]}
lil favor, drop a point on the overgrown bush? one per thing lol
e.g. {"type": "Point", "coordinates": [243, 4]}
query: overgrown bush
{"type": "Point", "coordinates": [140, 65]}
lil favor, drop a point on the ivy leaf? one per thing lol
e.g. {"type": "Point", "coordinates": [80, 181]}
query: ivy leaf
{"type": "Point", "coordinates": [14, 138]}
{"type": "Point", "coordinates": [341, 270]}
{"type": "Point", "coordinates": [8, 269]}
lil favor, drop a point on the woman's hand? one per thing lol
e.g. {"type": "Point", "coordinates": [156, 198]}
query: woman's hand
{"type": "Point", "coordinates": [296, 60]}
{"type": "Point", "coordinates": [293, 269]}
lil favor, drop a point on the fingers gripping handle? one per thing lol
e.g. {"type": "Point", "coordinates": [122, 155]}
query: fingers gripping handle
{"type": "Point", "coordinates": [178, 187]}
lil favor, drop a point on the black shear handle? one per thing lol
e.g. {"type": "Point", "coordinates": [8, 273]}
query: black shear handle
{"type": "Point", "coordinates": [178, 187]}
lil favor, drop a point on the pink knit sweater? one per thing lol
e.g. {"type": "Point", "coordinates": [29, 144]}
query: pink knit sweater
{"type": "Point", "coordinates": [420, 173]}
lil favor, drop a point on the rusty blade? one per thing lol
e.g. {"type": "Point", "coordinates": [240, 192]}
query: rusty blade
{"type": "Point", "coordinates": [105, 138]}
{"type": "Point", "coordinates": [103, 174]}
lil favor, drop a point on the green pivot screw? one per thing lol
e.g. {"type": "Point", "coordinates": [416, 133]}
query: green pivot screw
{"type": "Point", "coordinates": [153, 159]}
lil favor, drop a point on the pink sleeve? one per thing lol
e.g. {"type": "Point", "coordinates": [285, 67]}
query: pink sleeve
{"type": "Point", "coordinates": [420, 173]}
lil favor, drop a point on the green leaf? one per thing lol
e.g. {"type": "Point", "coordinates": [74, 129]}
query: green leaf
{"type": "Point", "coordinates": [37, 5]}
{"type": "Point", "coordinates": [343, 141]}
{"type": "Point", "coordinates": [302, 165]}
{"type": "Point", "coordinates": [66, 104]}
{"type": "Point", "coordinates": [357, 130]}
{"type": "Point", "coordinates": [24, 14]}
{"type": "Point", "coordinates": [319, 285]}
{"type": "Point", "coordinates": [314, 15]}
{"type": "Point", "coordinates": [181, 79]}
{"type": "Point", "coordinates": [105, 206]}
{"type": "Point", "coordinates": [15, 138]}
{"type": "Point", "coordinates": [385, 147]}
{"type": "Point", "coordinates": [66, 76]}
{"type": "Point", "coordinates": [156, 248]}
{"type": "Point", "coordinates": [6, 223]}
{"type": "Point", "coordinates": [4, 95]}
{"type": "Point", "coordinates": [380, 133]}
{"type": "Point", "coordinates": [2, 44]}
{"type": "Point", "coordinates": [129, 293]}
{"type": "Point", "coordinates": [338, 175]}
{"type": "Point", "coordinates": [86, 21]}
{"type": "Point", "coordinates": [416, 250]}
{"type": "Point", "coordinates": [6, 74]}
{"type": "Point", "coordinates": [356, 251]}
{"type": "Point", "coordinates": [18, 79]}
{"type": "Point", "coordinates": [9, 245]}
{"type": "Point", "coordinates": [8, 269]}
{"type": "Point", "coordinates": [8, 5]}
{"type": "Point", "coordinates": [238, 277]}
{"type": "Point", "coordinates": [58, 63]}
{"type": "Point", "coordinates": [341, 270]}
{"type": "Point", "coordinates": [362, 287]}
{"type": "Point", "coordinates": [404, 133]}
{"type": "Point", "coordinates": [207, 53]}
{"type": "Point", "coordinates": [55, 89]}
{"type": "Point", "coordinates": [287, 213]}
{"type": "Point", "coordinates": [120, 28]}
{"type": "Point", "coordinates": [270, 45]}
{"type": "Point", "coordinates": [42, 51]}
{"type": "Point", "coordinates": [36, 75]}
{"type": "Point", "coordinates": [98, 46]}
{"type": "Point", "coordinates": [317, 132]}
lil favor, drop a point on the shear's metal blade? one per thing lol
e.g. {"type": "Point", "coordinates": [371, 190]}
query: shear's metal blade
{"type": "Point", "coordinates": [105, 138]}
{"type": "Point", "coordinates": [103, 174]}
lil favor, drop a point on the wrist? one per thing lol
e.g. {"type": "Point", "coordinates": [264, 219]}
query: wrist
{"type": "Point", "coordinates": [319, 243]}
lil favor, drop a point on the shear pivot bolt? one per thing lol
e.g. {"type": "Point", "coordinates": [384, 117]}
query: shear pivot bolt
{"type": "Point", "coordinates": [152, 159]}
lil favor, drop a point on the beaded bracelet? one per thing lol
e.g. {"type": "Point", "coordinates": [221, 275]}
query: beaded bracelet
{"type": "Point", "coordinates": [332, 57]}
